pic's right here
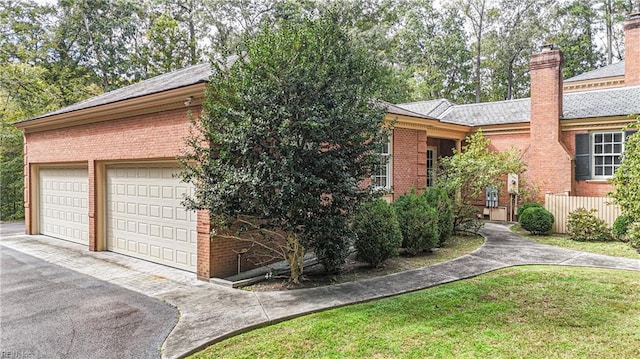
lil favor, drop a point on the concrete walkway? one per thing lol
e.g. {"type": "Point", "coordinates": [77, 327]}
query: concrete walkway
{"type": "Point", "coordinates": [209, 313]}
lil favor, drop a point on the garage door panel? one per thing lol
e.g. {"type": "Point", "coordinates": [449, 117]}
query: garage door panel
{"type": "Point", "coordinates": [145, 217]}
{"type": "Point", "coordinates": [64, 203]}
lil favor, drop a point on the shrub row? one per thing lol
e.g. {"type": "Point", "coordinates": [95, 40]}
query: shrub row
{"type": "Point", "coordinates": [416, 222]}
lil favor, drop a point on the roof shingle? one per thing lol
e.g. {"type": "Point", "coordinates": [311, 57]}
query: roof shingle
{"type": "Point", "coordinates": [612, 70]}
{"type": "Point", "coordinates": [180, 78]}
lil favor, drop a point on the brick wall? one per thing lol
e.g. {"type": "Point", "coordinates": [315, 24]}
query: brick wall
{"type": "Point", "coordinates": [158, 136]}
{"type": "Point", "coordinates": [632, 50]}
{"type": "Point", "coordinates": [409, 160]}
{"type": "Point", "coordinates": [549, 163]}
{"type": "Point", "coordinates": [503, 142]}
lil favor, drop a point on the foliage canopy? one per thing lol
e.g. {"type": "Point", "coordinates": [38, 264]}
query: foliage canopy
{"type": "Point", "coordinates": [626, 179]}
{"type": "Point", "coordinates": [289, 131]}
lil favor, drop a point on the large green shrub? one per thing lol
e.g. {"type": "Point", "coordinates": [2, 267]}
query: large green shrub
{"type": "Point", "coordinates": [583, 226]}
{"type": "Point", "coordinates": [536, 220]}
{"type": "Point", "coordinates": [332, 240]}
{"type": "Point", "coordinates": [438, 198]}
{"type": "Point", "coordinates": [621, 227]}
{"type": "Point", "coordinates": [524, 206]}
{"type": "Point", "coordinates": [418, 222]}
{"type": "Point", "coordinates": [377, 232]}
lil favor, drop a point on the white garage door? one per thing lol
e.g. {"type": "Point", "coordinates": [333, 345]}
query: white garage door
{"type": "Point", "coordinates": [64, 203]}
{"type": "Point", "coordinates": [145, 218]}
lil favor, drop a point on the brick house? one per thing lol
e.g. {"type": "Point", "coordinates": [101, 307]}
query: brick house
{"type": "Point", "coordinates": [101, 172]}
{"type": "Point", "coordinates": [569, 132]}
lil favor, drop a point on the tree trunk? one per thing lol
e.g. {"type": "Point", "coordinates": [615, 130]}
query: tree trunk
{"type": "Point", "coordinates": [295, 257]}
{"type": "Point", "coordinates": [608, 21]}
{"type": "Point", "coordinates": [478, 86]}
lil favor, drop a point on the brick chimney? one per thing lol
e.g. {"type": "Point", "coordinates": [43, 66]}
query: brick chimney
{"type": "Point", "coordinates": [550, 164]}
{"type": "Point", "coordinates": [632, 50]}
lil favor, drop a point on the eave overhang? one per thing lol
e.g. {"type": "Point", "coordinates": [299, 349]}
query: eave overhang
{"type": "Point", "coordinates": [183, 97]}
{"type": "Point", "coordinates": [434, 128]}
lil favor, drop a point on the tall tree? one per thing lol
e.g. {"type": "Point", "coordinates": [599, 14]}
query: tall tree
{"type": "Point", "coordinates": [107, 32]}
{"type": "Point", "coordinates": [519, 27]}
{"type": "Point", "coordinates": [295, 126]}
{"type": "Point", "coordinates": [480, 14]}
{"type": "Point", "coordinates": [431, 49]}
{"type": "Point", "coordinates": [167, 47]}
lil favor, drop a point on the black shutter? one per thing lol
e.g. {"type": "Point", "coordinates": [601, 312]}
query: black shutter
{"type": "Point", "coordinates": [583, 156]}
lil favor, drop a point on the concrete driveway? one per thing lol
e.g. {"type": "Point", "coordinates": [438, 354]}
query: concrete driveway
{"type": "Point", "coordinates": [48, 311]}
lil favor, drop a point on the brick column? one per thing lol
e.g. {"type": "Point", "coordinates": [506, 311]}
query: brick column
{"type": "Point", "coordinates": [409, 160]}
{"type": "Point", "coordinates": [203, 266]}
{"type": "Point", "coordinates": [632, 50]}
{"type": "Point", "coordinates": [550, 164]}
{"type": "Point", "coordinates": [421, 165]}
{"type": "Point", "coordinates": [91, 173]}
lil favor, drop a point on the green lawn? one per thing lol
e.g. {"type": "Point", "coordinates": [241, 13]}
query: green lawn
{"type": "Point", "coordinates": [532, 312]}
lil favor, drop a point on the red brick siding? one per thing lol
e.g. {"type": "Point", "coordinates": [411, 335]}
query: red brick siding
{"type": "Point", "coordinates": [503, 142]}
{"type": "Point", "coordinates": [409, 160]}
{"type": "Point", "coordinates": [204, 251]}
{"type": "Point", "coordinates": [154, 136]}
{"type": "Point", "coordinates": [549, 163]}
{"type": "Point", "coordinates": [632, 51]}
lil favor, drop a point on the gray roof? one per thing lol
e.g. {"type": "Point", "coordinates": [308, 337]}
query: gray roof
{"type": "Point", "coordinates": [433, 108]}
{"type": "Point", "coordinates": [612, 70]}
{"type": "Point", "coordinates": [489, 113]}
{"type": "Point", "coordinates": [621, 101]}
{"type": "Point", "coordinates": [598, 103]}
{"type": "Point", "coordinates": [397, 110]}
{"type": "Point", "coordinates": [180, 78]}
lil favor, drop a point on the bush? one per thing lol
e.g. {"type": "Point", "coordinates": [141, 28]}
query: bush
{"type": "Point", "coordinates": [524, 206]}
{"type": "Point", "coordinates": [621, 227]}
{"type": "Point", "coordinates": [536, 220]}
{"type": "Point", "coordinates": [583, 225]}
{"type": "Point", "coordinates": [634, 235]}
{"type": "Point", "coordinates": [377, 232]}
{"type": "Point", "coordinates": [332, 241]}
{"type": "Point", "coordinates": [439, 199]}
{"type": "Point", "coordinates": [418, 222]}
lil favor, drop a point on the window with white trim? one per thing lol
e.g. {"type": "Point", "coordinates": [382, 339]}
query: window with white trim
{"type": "Point", "coordinates": [381, 177]}
{"type": "Point", "coordinates": [607, 153]}
{"type": "Point", "coordinates": [599, 154]}
{"type": "Point", "coordinates": [431, 165]}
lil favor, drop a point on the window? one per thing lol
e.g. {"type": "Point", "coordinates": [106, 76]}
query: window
{"type": "Point", "coordinates": [431, 166]}
{"type": "Point", "coordinates": [381, 177]}
{"type": "Point", "coordinates": [607, 152]}
{"type": "Point", "coordinates": [598, 155]}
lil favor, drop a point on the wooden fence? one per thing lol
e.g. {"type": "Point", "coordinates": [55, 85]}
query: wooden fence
{"type": "Point", "coordinates": [560, 206]}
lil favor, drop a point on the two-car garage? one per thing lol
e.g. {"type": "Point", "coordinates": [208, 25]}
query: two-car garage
{"type": "Point", "coordinates": [142, 208]}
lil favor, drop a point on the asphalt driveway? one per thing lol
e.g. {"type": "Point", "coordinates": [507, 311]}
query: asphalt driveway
{"type": "Point", "coordinates": [48, 311]}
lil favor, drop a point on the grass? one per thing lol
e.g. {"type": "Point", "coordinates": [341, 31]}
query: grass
{"type": "Point", "coordinates": [455, 247]}
{"type": "Point", "coordinates": [522, 312]}
{"type": "Point", "coordinates": [613, 248]}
